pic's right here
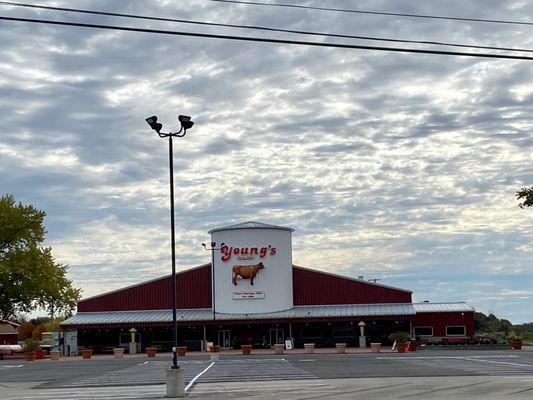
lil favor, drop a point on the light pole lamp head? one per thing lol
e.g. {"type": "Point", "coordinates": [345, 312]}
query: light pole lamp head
{"type": "Point", "coordinates": [185, 122]}
{"type": "Point", "coordinates": [152, 121]}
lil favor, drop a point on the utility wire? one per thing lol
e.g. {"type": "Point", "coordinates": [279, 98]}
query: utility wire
{"type": "Point", "coordinates": [268, 40]}
{"type": "Point", "coordinates": [345, 10]}
{"type": "Point", "coordinates": [263, 28]}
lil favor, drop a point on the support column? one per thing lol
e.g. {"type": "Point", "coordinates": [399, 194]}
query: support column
{"type": "Point", "coordinates": [175, 383]}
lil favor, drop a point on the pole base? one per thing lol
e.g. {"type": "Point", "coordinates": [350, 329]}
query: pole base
{"type": "Point", "coordinates": [175, 383]}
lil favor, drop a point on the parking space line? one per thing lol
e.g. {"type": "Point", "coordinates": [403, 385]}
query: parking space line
{"type": "Point", "coordinates": [193, 380]}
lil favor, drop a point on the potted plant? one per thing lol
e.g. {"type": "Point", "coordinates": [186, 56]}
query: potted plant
{"type": "Point", "coordinates": [118, 352]}
{"type": "Point", "coordinates": [150, 351]}
{"type": "Point", "coordinates": [401, 339]}
{"type": "Point", "coordinates": [246, 349]}
{"type": "Point", "coordinates": [516, 343]}
{"type": "Point", "coordinates": [182, 350]}
{"type": "Point", "coordinates": [515, 338]}
{"type": "Point", "coordinates": [86, 354]}
{"type": "Point", "coordinates": [30, 347]}
{"type": "Point", "coordinates": [214, 349]}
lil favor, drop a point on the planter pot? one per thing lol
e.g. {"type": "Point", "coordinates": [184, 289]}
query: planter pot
{"type": "Point", "coordinates": [516, 346]}
{"type": "Point", "coordinates": [118, 352]}
{"type": "Point", "coordinates": [341, 348]}
{"type": "Point", "coordinates": [150, 351]}
{"type": "Point", "coordinates": [402, 347]}
{"type": "Point", "coordinates": [182, 350]}
{"type": "Point", "coordinates": [246, 349]}
{"type": "Point", "coordinates": [86, 354]}
{"type": "Point", "coordinates": [39, 354]}
{"type": "Point", "coordinates": [54, 355]}
{"type": "Point", "coordinates": [278, 348]}
{"type": "Point", "coordinates": [30, 355]}
{"type": "Point", "coordinates": [376, 347]}
{"type": "Point", "coordinates": [309, 348]}
{"type": "Point", "coordinates": [214, 349]}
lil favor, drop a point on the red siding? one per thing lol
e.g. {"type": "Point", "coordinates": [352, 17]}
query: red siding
{"type": "Point", "coordinates": [318, 288]}
{"type": "Point", "coordinates": [193, 291]}
{"type": "Point", "coordinates": [439, 321]}
{"type": "Point", "coordinates": [7, 338]}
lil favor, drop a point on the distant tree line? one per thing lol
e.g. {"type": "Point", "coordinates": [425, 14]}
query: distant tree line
{"type": "Point", "coordinates": [490, 323]}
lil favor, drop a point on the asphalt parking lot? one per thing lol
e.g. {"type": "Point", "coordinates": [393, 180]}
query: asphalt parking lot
{"type": "Point", "coordinates": [447, 373]}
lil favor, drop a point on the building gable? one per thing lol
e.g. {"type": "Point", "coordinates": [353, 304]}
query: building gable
{"type": "Point", "coordinates": [311, 287]}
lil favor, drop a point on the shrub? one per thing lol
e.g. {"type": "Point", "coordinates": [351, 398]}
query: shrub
{"type": "Point", "coordinates": [31, 345]}
{"type": "Point", "coordinates": [400, 337]}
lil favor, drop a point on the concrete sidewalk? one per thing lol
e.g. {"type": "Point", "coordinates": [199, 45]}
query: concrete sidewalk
{"type": "Point", "coordinates": [223, 353]}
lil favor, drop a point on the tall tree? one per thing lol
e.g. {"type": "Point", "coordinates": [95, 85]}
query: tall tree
{"type": "Point", "coordinates": [29, 275]}
{"type": "Point", "coordinates": [527, 195]}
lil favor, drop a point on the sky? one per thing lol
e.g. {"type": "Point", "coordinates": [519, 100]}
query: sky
{"type": "Point", "coordinates": [394, 166]}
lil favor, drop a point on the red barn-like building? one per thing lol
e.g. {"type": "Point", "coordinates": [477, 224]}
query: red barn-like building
{"type": "Point", "coordinates": [284, 302]}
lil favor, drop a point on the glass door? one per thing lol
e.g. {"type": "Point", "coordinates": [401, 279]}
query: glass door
{"type": "Point", "coordinates": [276, 336]}
{"type": "Point", "coordinates": [224, 339]}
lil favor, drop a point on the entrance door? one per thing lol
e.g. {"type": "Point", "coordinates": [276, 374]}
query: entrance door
{"type": "Point", "coordinates": [224, 339]}
{"type": "Point", "coordinates": [276, 336]}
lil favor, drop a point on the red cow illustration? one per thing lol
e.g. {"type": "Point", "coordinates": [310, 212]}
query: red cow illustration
{"type": "Point", "coordinates": [246, 272]}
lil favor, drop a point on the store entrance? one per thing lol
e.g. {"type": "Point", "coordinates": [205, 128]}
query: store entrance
{"type": "Point", "coordinates": [224, 339]}
{"type": "Point", "coordinates": [277, 336]}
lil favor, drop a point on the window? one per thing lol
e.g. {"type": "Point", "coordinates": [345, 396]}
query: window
{"type": "Point", "coordinates": [311, 332]}
{"type": "Point", "coordinates": [343, 331]}
{"type": "Point", "coordinates": [455, 331]}
{"type": "Point", "coordinates": [423, 331]}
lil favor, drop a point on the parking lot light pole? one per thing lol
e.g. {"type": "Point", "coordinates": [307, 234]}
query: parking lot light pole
{"type": "Point", "coordinates": [173, 389]}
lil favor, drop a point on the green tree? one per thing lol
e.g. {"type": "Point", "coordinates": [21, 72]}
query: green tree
{"type": "Point", "coordinates": [29, 276]}
{"type": "Point", "coordinates": [527, 195]}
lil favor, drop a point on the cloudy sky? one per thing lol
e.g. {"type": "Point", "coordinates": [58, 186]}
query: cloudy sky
{"type": "Point", "coordinates": [401, 167]}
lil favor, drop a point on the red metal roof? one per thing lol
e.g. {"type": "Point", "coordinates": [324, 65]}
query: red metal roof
{"type": "Point", "coordinates": [310, 287]}
{"type": "Point", "coordinates": [194, 291]}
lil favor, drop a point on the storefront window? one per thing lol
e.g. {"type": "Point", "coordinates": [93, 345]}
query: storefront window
{"type": "Point", "coordinates": [423, 331]}
{"type": "Point", "coordinates": [455, 331]}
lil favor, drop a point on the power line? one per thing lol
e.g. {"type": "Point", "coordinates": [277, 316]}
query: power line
{"type": "Point", "coordinates": [185, 21]}
{"type": "Point", "coordinates": [395, 14]}
{"type": "Point", "coordinates": [268, 40]}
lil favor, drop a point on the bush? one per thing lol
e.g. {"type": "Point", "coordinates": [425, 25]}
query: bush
{"type": "Point", "coordinates": [31, 345]}
{"type": "Point", "coordinates": [400, 337]}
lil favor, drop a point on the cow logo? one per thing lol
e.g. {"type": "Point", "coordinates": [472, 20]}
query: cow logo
{"type": "Point", "coordinates": [246, 272]}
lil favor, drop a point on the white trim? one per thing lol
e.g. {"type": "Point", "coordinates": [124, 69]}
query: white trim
{"type": "Point", "coordinates": [456, 326]}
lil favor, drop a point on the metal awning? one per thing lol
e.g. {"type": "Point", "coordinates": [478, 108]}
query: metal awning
{"type": "Point", "coordinates": [442, 307]}
{"type": "Point", "coordinates": [341, 311]}
{"type": "Point", "coordinates": [198, 315]}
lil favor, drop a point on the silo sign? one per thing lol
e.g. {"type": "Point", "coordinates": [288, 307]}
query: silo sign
{"type": "Point", "coordinates": [253, 268]}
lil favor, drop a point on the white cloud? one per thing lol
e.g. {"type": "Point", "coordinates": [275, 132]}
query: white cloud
{"type": "Point", "coordinates": [394, 166]}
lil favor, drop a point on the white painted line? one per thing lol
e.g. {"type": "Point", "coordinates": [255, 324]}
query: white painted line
{"type": "Point", "coordinates": [441, 357]}
{"type": "Point", "coordinates": [498, 362]}
{"type": "Point", "coordinates": [12, 366]}
{"type": "Point", "coordinates": [199, 375]}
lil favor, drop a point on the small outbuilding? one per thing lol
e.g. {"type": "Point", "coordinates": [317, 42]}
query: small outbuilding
{"type": "Point", "coordinates": [9, 332]}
